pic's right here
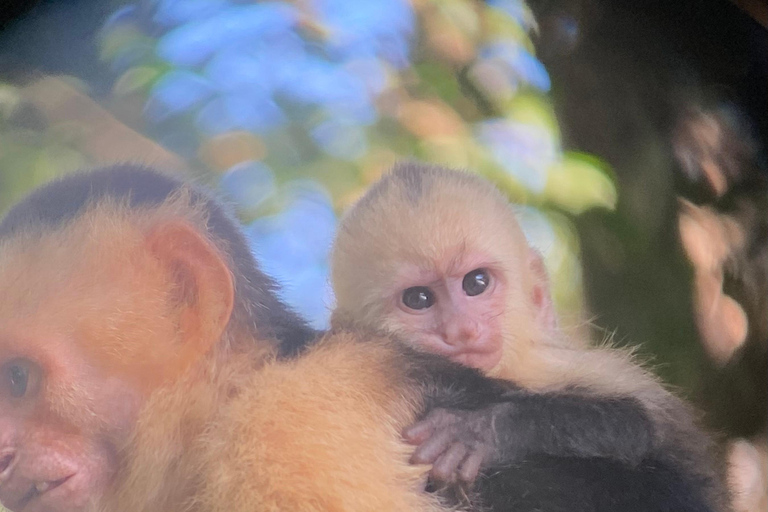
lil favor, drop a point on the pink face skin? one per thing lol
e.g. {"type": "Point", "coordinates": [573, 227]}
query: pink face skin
{"type": "Point", "coordinates": [458, 311]}
{"type": "Point", "coordinates": [61, 422]}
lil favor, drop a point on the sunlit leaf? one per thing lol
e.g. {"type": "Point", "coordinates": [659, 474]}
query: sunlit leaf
{"type": "Point", "coordinates": [578, 183]}
{"type": "Point", "coordinates": [533, 109]}
{"type": "Point", "coordinates": [135, 79]}
{"type": "Point", "coordinates": [9, 99]}
{"type": "Point", "coordinates": [118, 39]}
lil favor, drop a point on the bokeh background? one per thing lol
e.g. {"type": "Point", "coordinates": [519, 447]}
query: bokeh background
{"type": "Point", "coordinates": [630, 134]}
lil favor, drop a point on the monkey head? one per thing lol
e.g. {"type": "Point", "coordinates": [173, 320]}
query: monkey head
{"type": "Point", "coordinates": [437, 258]}
{"type": "Point", "coordinates": [98, 312]}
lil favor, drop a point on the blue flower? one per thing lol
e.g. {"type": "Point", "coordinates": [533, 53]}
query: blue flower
{"type": "Point", "coordinates": [309, 214]}
{"type": "Point", "coordinates": [193, 43]}
{"type": "Point", "coordinates": [371, 72]}
{"type": "Point", "coordinates": [239, 111]}
{"type": "Point", "coordinates": [248, 183]}
{"type": "Point", "coordinates": [175, 92]}
{"type": "Point", "coordinates": [319, 82]}
{"type": "Point", "coordinates": [176, 12]}
{"type": "Point", "coordinates": [531, 70]}
{"type": "Point", "coordinates": [265, 66]}
{"type": "Point", "coordinates": [366, 28]}
{"type": "Point", "coordinates": [521, 66]}
{"type": "Point", "coordinates": [233, 69]}
{"type": "Point", "coordinates": [525, 151]}
{"type": "Point", "coordinates": [293, 247]}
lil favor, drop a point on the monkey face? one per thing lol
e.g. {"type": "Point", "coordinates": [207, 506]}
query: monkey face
{"type": "Point", "coordinates": [438, 258]}
{"type": "Point", "coordinates": [54, 457]}
{"type": "Point", "coordinates": [455, 312]}
{"type": "Point", "coordinates": [64, 413]}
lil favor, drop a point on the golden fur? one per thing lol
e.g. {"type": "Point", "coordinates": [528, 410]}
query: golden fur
{"type": "Point", "coordinates": [222, 424]}
{"type": "Point", "coordinates": [287, 437]}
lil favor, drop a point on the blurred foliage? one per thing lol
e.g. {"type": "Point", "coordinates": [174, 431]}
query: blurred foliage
{"type": "Point", "coordinates": [294, 108]}
{"type": "Point", "coordinates": [35, 150]}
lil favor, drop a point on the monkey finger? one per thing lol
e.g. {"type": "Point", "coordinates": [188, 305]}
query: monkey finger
{"type": "Point", "coordinates": [432, 448]}
{"type": "Point", "coordinates": [444, 469]}
{"type": "Point", "coordinates": [470, 468]}
{"type": "Point", "coordinates": [419, 432]}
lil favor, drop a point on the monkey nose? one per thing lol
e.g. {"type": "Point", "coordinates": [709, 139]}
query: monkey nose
{"type": "Point", "coordinates": [464, 334]}
{"type": "Point", "coordinates": [7, 458]}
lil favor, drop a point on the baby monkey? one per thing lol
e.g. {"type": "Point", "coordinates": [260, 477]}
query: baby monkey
{"type": "Point", "coordinates": [437, 258]}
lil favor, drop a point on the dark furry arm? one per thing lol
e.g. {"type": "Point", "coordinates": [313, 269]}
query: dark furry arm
{"type": "Point", "coordinates": [572, 425]}
{"type": "Point", "coordinates": [473, 422]}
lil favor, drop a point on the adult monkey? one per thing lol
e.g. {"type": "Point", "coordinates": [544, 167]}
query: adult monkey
{"type": "Point", "coordinates": [437, 258]}
{"type": "Point", "coordinates": [146, 365]}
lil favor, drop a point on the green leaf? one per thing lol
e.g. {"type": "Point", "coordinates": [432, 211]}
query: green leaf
{"type": "Point", "coordinates": [578, 183]}
{"type": "Point", "coordinates": [135, 79]}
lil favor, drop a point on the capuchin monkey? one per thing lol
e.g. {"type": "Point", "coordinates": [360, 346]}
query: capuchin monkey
{"type": "Point", "coordinates": [146, 365]}
{"type": "Point", "coordinates": [436, 257]}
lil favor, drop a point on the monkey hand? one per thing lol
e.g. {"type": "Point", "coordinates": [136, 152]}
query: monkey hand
{"type": "Point", "coordinates": [458, 443]}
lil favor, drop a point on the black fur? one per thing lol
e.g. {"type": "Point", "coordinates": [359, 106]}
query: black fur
{"type": "Point", "coordinates": [567, 452]}
{"type": "Point", "coordinates": [577, 425]}
{"type": "Point", "coordinates": [573, 484]}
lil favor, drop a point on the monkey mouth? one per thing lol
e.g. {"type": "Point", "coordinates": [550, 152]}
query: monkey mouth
{"type": "Point", "coordinates": [482, 360]}
{"type": "Point", "coordinates": [6, 462]}
{"type": "Point", "coordinates": [39, 489]}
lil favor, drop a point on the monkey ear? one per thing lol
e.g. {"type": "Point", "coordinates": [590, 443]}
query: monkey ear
{"type": "Point", "coordinates": [203, 288]}
{"type": "Point", "coordinates": [541, 297]}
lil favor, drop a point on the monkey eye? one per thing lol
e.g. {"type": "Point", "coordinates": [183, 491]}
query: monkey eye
{"type": "Point", "coordinates": [17, 378]}
{"type": "Point", "coordinates": [476, 282]}
{"type": "Point", "coordinates": [418, 297]}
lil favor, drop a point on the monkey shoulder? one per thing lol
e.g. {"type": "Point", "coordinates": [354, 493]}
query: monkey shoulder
{"type": "Point", "coordinates": [316, 420]}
